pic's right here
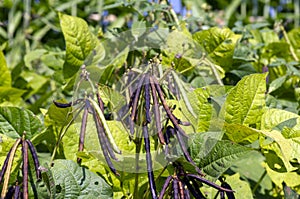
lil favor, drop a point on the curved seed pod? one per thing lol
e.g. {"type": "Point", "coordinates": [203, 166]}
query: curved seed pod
{"type": "Point", "coordinates": [222, 195]}
{"type": "Point", "coordinates": [181, 189]}
{"type": "Point", "coordinates": [156, 112]}
{"type": "Point", "coordinates": [103, 145]}
{"type": "Point", "coordinates": [62, 105]}
{"type": "Point", "coordinates": [25, 168]}
{"type": "Point", "coordinates": [209, 183]}
{"type": "Point", "coordinates": [100, 101]}
{"type": "Point", "coordinates": [35, 159]}
{"type": "Point", "coordinates": [106, 142]}
{"type": "Point", "coordinates": [186, 153]}
{"type": "Point", "coordinates": [175, 188]}
{"type": "Point", "coordinates": [136, 98]}
{"type": "Point", "coordinates": [18, 192]}
{"type": "Point", "coordinates": [147, 98]}
{"type": "Point", "coordinates": [83, 129]}
{"type": "Point", "coordinates": [195, 192]}
{"type": "Point", "coordinates": [164, 188]}
{"type": "Point", "coordinates": [4, 166]}
{"type": "Point", "coordinates": [186, 191]}
{"type": "Point", "coordinates": [230, 195]}
{"type": "Point", "coordinates": [10, 192]}
{"type": "Point", "coordinates": [149, 162]}
{"type": "Point", "coordinates": [105, 126]}
{"type": "Point", "coordinates": [66, 105]}
{"type": "Point", "coordinates": [9, 167]}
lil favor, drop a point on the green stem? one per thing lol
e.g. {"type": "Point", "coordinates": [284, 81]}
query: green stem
{"type": "Point", "coordinates": [259, 181]}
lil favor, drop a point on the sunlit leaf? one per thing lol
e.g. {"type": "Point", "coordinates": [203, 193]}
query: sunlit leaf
{"type": "Point", "coordinates": [79, 43]}
{"type": "Point", "coordinates": [245, 103]}
{"type": "Point", "coordinates": [5, 77]}
{"type": "Point", "coordinates": [219, 45]}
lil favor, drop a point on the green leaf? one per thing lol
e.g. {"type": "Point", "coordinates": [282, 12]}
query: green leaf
{"type": "Point", "coordinates": [245, 103]}
{"type": "Point", "coordinates": [241, 134]}
{"type": "Point", "coordinates": [274, 124]}
{"type": "Point", "coordinates": [79, 43]}
{"type": "Point", "coordinates": [275, 119]}
{"type": "Point", "coordinates": [241, 188]}
{"type": "Point", "coordinates": [10, 95]}
{"type": "Point", "coordinates": [277, 83]}
{"type": "Point", "coordinates": [73, 181]}
{"type": "Point", "coordinates": [34, 82]}
{"type": "Point", "coordinates": [251, 168]}
{"type": "Point", "coordinates": [219, 45]}
{"type": "Point", "coordinates": [14, 121]}
{"type": "Point", "coordinates": [220, 157]}
{"type": "Point", "coordinates": [5, 77]}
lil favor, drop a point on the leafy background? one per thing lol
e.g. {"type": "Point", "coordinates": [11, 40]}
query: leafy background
{"type": "Point", "coordinates": [248, 53]}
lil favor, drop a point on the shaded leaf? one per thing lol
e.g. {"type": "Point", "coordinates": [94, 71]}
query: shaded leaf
{"type": "Point", "coordinates": [10, 95]}
{"type": "Point", "coordinates": [220, 157]}
{"type": "Point", "coordinates": [73, 181]}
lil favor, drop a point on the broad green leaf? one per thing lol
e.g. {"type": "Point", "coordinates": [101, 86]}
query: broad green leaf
{"type": "Point", "coordinates": [291, 179]}
{"type": "Point", "coordinates": [241, 134]}
{"type": "Point", "coordinates": [250, 168]}
{"type": "Point", "coordinates": [273, 119]}
{"type": "Point", "coordinates": [73, 181]}
{"type": "Point", "coordinates": [114, 99]}
{"type": "Point", "coordinates": [14, 121]}
{"type": "Point", "coordinates": [220, 158]}
{"type": "Point", "coordinates": [198, 100]}
{"type": "Point", "coordinates": [219, 45]}
{"type": "Point", "coordinates": [282, 147]}
{"type": "Point", "coordinates": [5, 145]}
{"type": "Point", "coordinates": [200, 144]}
{"type": "Point", "coordinates": [241, 188]}
{"type": "Point", "coordinates": [277, 83]}
{"type": "Point", "coordinates": [5, 77]}
{"type": "Point", "coordinates": [245, 103]}
{"type": "Point", "coordinates": [9, 95]}
{"type": "Point", "coordinates": [58, 116]}
{"type": "Point", "coordinates": [46, 188]}
{"type": "Point", "coordinates": [79, 43]}
{"type": "Point", "coordinates": [278, 125]}
{"type": "Point", "coordinates": [181, 51]}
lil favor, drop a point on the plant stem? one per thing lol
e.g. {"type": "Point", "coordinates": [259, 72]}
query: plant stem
{"type": "Point", "coordinates": [258, 182]}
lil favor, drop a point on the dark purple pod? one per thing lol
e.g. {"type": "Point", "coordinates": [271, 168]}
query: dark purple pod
{"type": "Point", "coordinates": [35, 159]}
